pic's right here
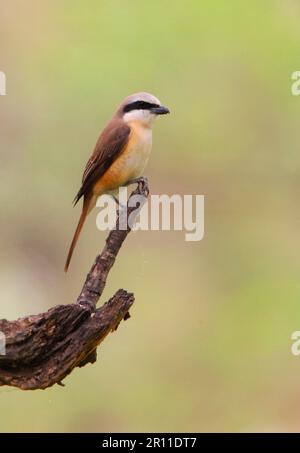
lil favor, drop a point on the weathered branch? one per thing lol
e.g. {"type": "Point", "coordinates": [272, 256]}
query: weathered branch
{"type": "Point", "coordinates": [43, 349]}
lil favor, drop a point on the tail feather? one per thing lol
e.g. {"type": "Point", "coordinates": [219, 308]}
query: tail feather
{"type": "Point", "coordinates": [84, 213]}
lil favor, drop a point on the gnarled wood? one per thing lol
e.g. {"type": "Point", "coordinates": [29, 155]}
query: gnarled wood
{"type": "Point", "coordinates": [43, 349]}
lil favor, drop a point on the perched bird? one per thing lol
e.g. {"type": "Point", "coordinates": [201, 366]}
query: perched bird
{"type": "Point", "coordinates": [120, 154]}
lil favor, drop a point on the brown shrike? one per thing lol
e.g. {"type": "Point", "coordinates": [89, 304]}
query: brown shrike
{"type": "Point", "coordinates": [120, 155]}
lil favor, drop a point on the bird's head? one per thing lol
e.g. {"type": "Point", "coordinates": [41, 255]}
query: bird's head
{"type": "Point", "coordinates": [141, 107]}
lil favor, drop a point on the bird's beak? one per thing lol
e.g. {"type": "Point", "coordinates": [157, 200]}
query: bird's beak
{"type": "Point", "coordinates": [161, 110]}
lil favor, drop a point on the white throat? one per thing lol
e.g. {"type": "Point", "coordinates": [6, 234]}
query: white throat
{"type": "Point", "coordinates": [144, 117]}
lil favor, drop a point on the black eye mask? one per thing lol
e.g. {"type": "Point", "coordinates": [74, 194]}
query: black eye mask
{"type": "Point", "coordinates": [139, 105]}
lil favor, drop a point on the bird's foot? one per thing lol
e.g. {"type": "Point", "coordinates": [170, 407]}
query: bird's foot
{"type": "Point", "coordinates": [142, 182]}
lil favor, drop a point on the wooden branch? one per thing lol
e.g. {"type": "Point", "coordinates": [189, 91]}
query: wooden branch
{"type": "Point", "coordinates": [43, 349]}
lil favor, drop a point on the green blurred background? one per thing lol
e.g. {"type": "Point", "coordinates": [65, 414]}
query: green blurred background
{"type": "Point", "coordinates": [208, 344]}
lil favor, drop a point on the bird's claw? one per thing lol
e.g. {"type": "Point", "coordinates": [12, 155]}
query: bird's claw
{"type": "Point", "coordinates": [142, 183]}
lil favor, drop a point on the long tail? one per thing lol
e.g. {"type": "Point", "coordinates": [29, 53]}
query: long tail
{"type": "Point", "coordinates": [84, 213]}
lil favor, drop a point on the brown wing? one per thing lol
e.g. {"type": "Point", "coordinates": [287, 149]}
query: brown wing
{"type": "Point", "coordinates": [110, 144]}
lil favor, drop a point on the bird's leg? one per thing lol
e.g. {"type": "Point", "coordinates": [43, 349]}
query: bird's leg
{"type": "Point", "coordinates": [116, 200]}
{"type": "Point", "coordinates": [119, 205]}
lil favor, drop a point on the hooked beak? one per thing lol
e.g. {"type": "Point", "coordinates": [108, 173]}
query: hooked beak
{"type": "Point", "coordinates": [161, 110]}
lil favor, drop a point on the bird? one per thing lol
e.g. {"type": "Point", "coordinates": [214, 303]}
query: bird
{"type": "Point", "coordinates": [120, 154]}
